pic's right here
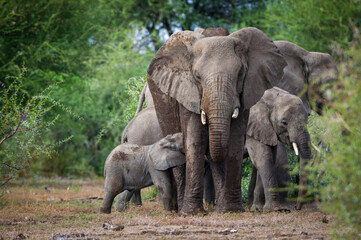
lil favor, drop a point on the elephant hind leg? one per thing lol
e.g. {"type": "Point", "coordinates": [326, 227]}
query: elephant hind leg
{"type": "Point", "coordinates": [123, 200]}
{"type": "Point", "coordinates": [137, 197]}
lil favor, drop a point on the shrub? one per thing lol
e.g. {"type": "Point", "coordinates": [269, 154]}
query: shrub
{"type": "Point", "coordinates": [338, 161]}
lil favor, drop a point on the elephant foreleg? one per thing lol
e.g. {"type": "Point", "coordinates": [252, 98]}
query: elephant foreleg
{"type": "Point", "coordinates": [262, 158]}
{"type": "Point", "coordinates": [283, 176]}
{"type": "Point", "coordinates": [195, 145]}
{"type": "Point", "coordinates": [162, 180]}
{"type": "Point", "coordinates": [252, 186]}
{"type": "Point", "coordinates": [179, 178]}
{"type": "Point", "coordinates": [258, 194]}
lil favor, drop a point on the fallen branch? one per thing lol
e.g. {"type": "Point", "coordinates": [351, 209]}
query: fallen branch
{"type": "Point", "coordinates": [82, 198]}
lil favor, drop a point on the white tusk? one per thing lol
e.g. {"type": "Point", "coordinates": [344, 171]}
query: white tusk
{"type": "Point", "coordinates": [294, 145]}
{"type": "Point", "coordinates": [235, 113]}
{"type": "Point", "coordinates": [203, 118]}
{"type": "Point", "coordinates": [314, 146]}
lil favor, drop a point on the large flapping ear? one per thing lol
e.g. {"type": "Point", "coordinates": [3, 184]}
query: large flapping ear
{"type": "Point", "coordinates": [265, 64]}
{"type": "Point", "coordinates": [170, 70]}
{"type": "Point", "coordinates": [321, 67]}
{"type": "Point", "coordinates": [170, 152]}
{"type": "Point", "coordinates": [317, 65]}
{"type": "Point", "coordinates": [259, 123]}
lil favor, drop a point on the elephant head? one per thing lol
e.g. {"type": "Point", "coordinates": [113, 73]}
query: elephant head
{"type": "Point", "coordinates": [168, 152]}
{"type": "Point", "coordinates": [282, 116]}
{"type": "Point", "coordinates": [306, 72]}
{"type": "Point", "coordinates": [217, 77]}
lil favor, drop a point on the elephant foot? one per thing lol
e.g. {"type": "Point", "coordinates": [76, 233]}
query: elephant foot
{"type": "Point", "coordinates": [196, 212]}
{"type": "Point", "coordinates": [229, 208]}
{"type": "Point", "coordinates": [105, 210]}
{"type": "Point", "coordinates": [256, 208]}
{"type": "Point", "coordinates": [275, 208]}
{"type": "Point", "coordinates": [298, 205]}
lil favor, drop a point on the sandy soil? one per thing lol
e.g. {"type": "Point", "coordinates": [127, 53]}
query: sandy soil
{"type": "Point", "coordinates": [64, 211]}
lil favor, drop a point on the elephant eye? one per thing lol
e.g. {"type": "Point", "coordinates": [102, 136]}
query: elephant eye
{"type": "Point", "coordinates": [284, 122]}
{"type": "Point", "coordinates": [196, 75]}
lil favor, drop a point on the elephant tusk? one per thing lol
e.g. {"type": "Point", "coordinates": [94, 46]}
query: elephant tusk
{"type": "Point", "coordinates": [316, 148]}
{"type": "Point", "coordinates": [203, 118]}
{"type": "Point", "coordinates": [235, 113]}
{"type": "Point", "coordinates": [294, 145]}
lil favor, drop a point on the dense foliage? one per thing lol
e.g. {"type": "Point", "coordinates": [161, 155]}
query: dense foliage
{"type": "Point", "coordinates": [86, 63]}
{"type": "Point", "coordinates": [338, 159]}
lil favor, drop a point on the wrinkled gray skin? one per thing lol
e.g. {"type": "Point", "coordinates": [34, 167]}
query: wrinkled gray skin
{"type": "Point", "coordinates": [143, 129]}
{"type": "Point", "coordinates": [305, 73]}
{"type": "Point", "coordinates": [279, 117]}
{"type": "Point", "coordinates": [217, 76]}
{"type": "Point", "coordinates": [130, 167]}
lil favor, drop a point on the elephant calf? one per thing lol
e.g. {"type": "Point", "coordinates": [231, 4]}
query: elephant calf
{"type": "Point", "coordinates": [131, 167]}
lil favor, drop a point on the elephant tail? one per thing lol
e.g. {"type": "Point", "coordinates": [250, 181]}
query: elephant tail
{"type": "Point", "coordinates": [141, 99]}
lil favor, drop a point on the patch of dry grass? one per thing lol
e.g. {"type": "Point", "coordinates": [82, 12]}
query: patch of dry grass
{"type": "Point", "coordinates": [36, 213]}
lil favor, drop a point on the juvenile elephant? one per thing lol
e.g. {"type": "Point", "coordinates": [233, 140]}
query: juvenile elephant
{"type": "Point", "coordinates": [279, 117]}
{"type": "Point", "coordinates": [204, 88]}
{"type": "Point", "coordinates": [130, 167]}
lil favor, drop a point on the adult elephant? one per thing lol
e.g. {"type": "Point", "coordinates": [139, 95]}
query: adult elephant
{"type": "Point", "coordinates": [199, 86]}
{"type": "Point", "coordinates": [279, 117]}
{"type": "Point", "coordinates": [305, 73]}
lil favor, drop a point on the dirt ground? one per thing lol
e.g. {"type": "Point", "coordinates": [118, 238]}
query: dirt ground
{"type": "Point", "coordinates": [69, 209]}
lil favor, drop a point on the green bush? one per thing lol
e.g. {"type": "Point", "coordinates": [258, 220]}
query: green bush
{"type": "Point", "coordinates": [23, 123]}
{"type": "Point", "coordinates": [338, 161]}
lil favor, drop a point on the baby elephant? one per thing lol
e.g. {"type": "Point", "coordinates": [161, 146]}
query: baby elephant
{"type": "Point", "coordinates": [131, 167]}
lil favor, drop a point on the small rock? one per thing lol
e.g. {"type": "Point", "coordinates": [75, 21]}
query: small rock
{"type": "Point", "coordinates": [20, 236]}
{"type": "Point", "coordinates": [112, 227]}
{"type": "Point", "coordinates": [227, 230]}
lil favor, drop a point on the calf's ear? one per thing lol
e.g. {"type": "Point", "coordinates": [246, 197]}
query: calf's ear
{"type": "Point", "coordinates": [169, 153]}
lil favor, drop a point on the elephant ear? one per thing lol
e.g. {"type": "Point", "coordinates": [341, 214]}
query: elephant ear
{"type": "Point", "coordinates": [320, 67]}
{"type": "Point", "coordinates": [170, 153]}
{"type": "Point", "coordinates": [264, 61]}
{"type": "Point", "coordinates": [171, 71]}
{"type": "Point", "coordinates": [259, 124]}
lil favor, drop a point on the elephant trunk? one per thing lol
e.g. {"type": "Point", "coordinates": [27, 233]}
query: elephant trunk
{"type": "Point", "coordinates": [303, 143]}
{"type": "Point", "coordinates": [219, 104]}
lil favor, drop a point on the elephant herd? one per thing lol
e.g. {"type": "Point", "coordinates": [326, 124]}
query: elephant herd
{"type": "Point", "coordinates": [210, 95]}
